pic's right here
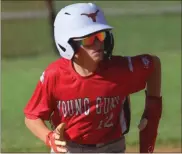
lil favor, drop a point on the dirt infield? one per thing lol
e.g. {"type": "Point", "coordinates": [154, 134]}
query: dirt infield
{"type": "Point", "coordinates": [157, 149]}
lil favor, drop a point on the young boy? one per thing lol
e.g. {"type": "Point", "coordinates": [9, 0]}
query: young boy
{"type": "Point", "coordinates": [83, 93]}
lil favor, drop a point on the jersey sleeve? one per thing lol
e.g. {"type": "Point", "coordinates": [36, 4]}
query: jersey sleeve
{"type": "Point", "coordinates": [140, 68]}
{"type": "Point", "coordinates": [41, 102]}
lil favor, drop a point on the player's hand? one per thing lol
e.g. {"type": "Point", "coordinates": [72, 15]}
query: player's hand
{"type": "Point", "coordinates": [56, 140]}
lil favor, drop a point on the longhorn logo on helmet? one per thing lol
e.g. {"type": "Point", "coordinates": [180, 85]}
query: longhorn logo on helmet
{"type": "Point", "coordinates": [91, 15]}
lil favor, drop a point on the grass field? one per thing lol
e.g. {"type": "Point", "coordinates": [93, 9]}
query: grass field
{"type": "Point", "coordinates": [160, 35]}
{"type": "Point", "coordinates": [20, 5]}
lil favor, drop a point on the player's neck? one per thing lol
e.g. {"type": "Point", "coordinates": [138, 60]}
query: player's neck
{"type": "Point", "coordinates": [85, 69]}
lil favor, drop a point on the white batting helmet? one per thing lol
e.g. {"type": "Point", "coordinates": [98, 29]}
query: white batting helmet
{"type": "Point", "coordinates": [74, 21]}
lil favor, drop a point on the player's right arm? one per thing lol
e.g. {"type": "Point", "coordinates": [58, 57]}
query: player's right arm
{"type": "Point", "coordinates": [38, 128]}
{"type": "Point", "coordinates": [55, 139]}
{"type": "Point", "coordinates": [39, 109]}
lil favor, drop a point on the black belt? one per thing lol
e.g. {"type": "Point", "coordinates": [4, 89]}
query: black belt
{"type": "Point", "coordinates": [97, 145]}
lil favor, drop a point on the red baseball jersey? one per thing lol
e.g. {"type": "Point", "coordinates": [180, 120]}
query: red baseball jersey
{"type": "Point", "coordinates": [90, 106]}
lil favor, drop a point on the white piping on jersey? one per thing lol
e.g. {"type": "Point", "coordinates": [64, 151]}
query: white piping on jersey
{"type": "Point", "coordinates": [42, 77]}
{"type": "Point", "coordinates": [122, 118]}
{"type": "Point", "coordinates": [130, 64]}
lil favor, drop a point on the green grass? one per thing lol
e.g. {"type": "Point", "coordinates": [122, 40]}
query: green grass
{"type": "Point", "coordinates": [38, 5]}
{"type": "Point", "coordinates": [20, 5]}
{"type": "Point", "coordinates": [123, 4]}
{"type": "Point", "coordinates": [25, 37]}
{"type": "Point", "coordinates": [134, 35]}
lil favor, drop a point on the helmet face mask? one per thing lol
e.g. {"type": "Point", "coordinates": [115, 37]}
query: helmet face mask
{"type": "Point", "coordinates": [77, 21]}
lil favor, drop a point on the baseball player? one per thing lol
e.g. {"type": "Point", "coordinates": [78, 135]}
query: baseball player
{"type": "Point", "coordinates": [84, 93]}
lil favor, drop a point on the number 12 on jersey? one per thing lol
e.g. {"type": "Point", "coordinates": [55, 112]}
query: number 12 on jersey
{"type": "Point", "coordinates": [107, 122]}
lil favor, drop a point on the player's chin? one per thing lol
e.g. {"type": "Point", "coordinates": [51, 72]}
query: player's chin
{"type": "Point", "coordinates": [97, 57]}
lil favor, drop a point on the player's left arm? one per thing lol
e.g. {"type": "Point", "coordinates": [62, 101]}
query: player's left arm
{"type": "Point", "coordinates": [154, 81]}
{"type": "Point", "coordinates": [153, 109]}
